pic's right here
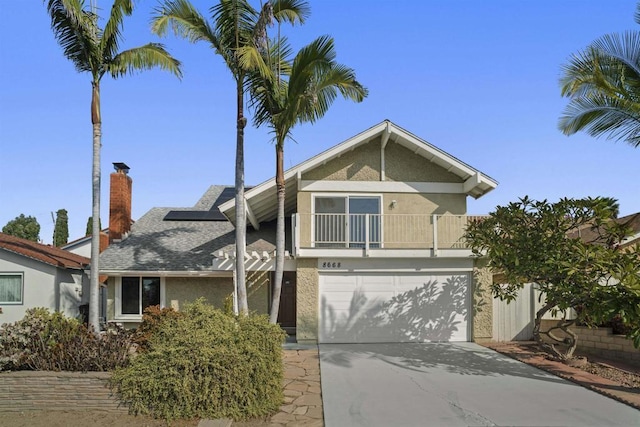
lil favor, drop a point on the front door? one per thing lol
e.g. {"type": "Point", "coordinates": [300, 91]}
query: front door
{"type": "Point", "coordinates": [287, 310]}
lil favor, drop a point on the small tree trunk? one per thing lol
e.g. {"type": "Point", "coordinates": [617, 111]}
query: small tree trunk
{"type": "Point", "coordinates": [94, 285]}
{"type": "Point", "coordinates": [241, 221]}
{"type": "Point", "coordinates": [571, 340]}
{"type": "Point", "coordinates": [280, 235]}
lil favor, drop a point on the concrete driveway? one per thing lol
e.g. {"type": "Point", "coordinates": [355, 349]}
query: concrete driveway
{"type": "Point", "coordinates": [452, 384]}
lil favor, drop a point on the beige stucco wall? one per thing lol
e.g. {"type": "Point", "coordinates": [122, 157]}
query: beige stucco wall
{"type": "Point", "coordinates": [482, 302]}
{"type": "Point", "coordinates": [364, 164]}
{"type": "Point", "coordinates": [182, 290]}
{"type": "Point", "coordinates": [406, 166]}
{"type": "Point", "coordinates": [421, 229]}
{"type": "Point", "coordinates": [424, 204]}
{"type": "Point", "coordinates": [258, 291]}
{"type": "Point", "coordinates": [307, 300]}
{"type": "Point", "coordinates": [361, 164]}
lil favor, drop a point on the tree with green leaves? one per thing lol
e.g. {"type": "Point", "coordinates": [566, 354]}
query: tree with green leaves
{"type": "Point", "coordinates": [602, 83]}
{"type": "Point", "coordinates": [545, 244]}
{"type": "Point", "coordinates": [95, 50]}
{"type": "Point", "coordinates": [25, 227]}
{"type": "Point", "coordinates": [61, 228]}
{"type": "Point", "coordinates": [89, 230]}
{"type": "Point", "coordinates": [235, 33]}
{"type": "Point", "coordinates": [301, 92]}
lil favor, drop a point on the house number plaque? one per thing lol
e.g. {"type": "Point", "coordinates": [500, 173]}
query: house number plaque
{"type": "Point", "coordinates": [331, 264]}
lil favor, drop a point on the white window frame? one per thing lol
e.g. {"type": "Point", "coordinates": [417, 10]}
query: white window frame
{"type": "Point", "coordinates": [379, 196]}
{"type": "Point", "coordinates": [118, 297]}
{"type": "Point", "coordinates": [15, 273]}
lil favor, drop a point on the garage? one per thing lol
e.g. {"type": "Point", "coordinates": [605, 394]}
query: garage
{"type": "Point", "coordinates": [393, 307]}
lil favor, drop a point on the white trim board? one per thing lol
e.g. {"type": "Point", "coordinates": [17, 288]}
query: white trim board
{"type": "Point", "coordinates": [383, 187]}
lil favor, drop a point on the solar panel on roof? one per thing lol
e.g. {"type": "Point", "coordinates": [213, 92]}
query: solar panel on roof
{"type": "Point", "coordinates": [227, 194]}
{"type": "Point", "coordinates": [212, 215]}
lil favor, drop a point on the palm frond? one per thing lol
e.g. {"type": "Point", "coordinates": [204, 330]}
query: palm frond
{"type": "Point", "coordinates": [151, 55]}
{"type": "Point", "coordinates": [616, 118]}
{"type": "Point", "coordinates": [319, 54]}
{"type": "Point", "coordinates": [269, 66]}
{"type": "Point", "coordinates": [291, 11]}
{"type": "Point", "coordinates": [603, 85]}
{"type": "Point", "coordinates": [314, 82]}
{"type": "Point", "coordinates": [76, 31]}
{"type": "Point", "coordinates": [625, 48]}
{"type": "Point", "coordinates": [185, 21]}
{"type": "Point", "coordinates": [112, 33]}
{"type": "Point", "coordinates": [235, 21]}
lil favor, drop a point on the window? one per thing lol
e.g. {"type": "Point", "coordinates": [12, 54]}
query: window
{"type": "Point", "coordinates": [134, 294]}
{"type": "Point", "coordinates": [11, 288]}
{"type": "Point", "coordinates": [345, 221]}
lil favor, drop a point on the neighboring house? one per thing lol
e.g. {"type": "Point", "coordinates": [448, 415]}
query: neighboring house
{"type": "Point", "coordinates": [632, 222]}
{"type": "Point", "coordinates": [375, 247]}
{"type": "Point", "coordinates": [37, 275]}
{"type": "Point", "coordinates": [82, 246]}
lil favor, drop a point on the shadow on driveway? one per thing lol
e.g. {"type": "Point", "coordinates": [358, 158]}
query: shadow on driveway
{"type": "Point", "coordinates": [459, 358]}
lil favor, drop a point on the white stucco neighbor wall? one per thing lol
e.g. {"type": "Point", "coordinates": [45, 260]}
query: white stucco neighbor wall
{"type": "Point", "coordinates": [43, 286]}
{"type": "Point", "coordinates": [82, 247]}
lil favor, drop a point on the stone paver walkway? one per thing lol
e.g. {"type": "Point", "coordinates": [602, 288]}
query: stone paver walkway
{"type": "Point", "coordinates": [302, 392]}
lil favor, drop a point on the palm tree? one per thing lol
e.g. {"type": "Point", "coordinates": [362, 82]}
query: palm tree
{"type": "Point", "coordinates": [236, 34]}
{"type": "Point", "coordinates": [94, 50]}
{"type": "Point", "coordinates": [299, 93]}
{"type": "Point", "coordinates": [603, 85]}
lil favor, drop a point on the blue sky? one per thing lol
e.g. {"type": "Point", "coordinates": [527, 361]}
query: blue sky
{"type": "Point", "coordinates": [477, 79]}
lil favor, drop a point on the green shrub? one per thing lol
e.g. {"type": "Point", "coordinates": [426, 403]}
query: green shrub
{"type": "Point", "coordinates": [152, 317]}
{"type": "Point", "coordinates": [206, 364]}
{"type": "Point", "coordinates": [46, 341]}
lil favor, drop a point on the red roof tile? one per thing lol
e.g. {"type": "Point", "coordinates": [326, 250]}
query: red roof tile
{"type": "Point", "coordinates": [44, 253]}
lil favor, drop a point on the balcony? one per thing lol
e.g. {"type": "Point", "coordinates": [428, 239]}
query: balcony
{"type": "Point", "coordinates": [374, 234]}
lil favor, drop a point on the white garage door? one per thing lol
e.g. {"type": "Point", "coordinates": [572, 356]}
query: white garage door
{"type": "Point", "coordinates": [399, 307]}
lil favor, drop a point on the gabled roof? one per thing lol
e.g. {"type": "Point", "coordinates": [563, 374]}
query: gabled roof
{"type": "Point", "coordinates": [157, 243]}
{"type": "Point", "coordinates": [43, 253]}
{"type": "Point", "coordinates": [261, 200]}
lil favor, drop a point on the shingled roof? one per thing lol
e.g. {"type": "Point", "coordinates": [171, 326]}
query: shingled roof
{"type": "Point", "coordinates": [157, 243]}
{"type": "Point", "coordinates": [592, 234]}
{"type": "Point", "coordinates": [43, 253]}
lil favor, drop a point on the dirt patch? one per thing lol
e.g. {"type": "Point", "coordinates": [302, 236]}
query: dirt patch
{"type": "Point", "coordinates": [626, 379]}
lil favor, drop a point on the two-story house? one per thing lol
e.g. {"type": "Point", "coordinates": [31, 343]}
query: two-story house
{"type": "Point", "coordinates": [375, 247]}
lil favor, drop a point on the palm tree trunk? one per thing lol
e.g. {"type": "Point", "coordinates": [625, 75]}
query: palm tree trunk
{"type": "Point", "coordinates": [277, 281]}
{"type": "Point", "coordinates": [241, 219]}
{"type": "Point", "coordinates": [94, 285]}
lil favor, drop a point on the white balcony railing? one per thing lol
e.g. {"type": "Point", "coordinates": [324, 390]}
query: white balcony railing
{"type": "Point", "coordinates": [380, 231]}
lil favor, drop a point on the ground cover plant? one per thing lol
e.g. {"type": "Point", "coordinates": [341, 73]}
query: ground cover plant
{"type": "Point", "coordinates": [47, 341]}
{"type": "Point", "coordinates": [206, 363]}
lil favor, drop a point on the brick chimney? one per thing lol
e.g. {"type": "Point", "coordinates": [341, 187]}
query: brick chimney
{"type": "Point", "coordinates": [119, 202]}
